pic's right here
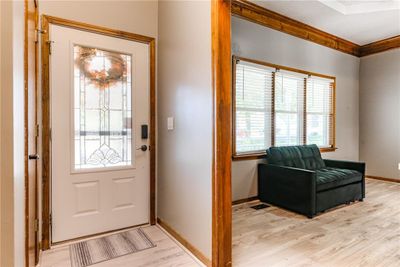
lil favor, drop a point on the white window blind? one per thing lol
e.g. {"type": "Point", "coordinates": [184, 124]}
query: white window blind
{"type": "Point", "coordinates": [320, 114]}
{"type": "Point", "coordinates": [281, 107]}
{"type": "Point", "coordinates": [253, 97]}
{"type": "Point", "coordinates": [289, 109]}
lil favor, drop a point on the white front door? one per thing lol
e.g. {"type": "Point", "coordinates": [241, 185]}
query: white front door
{"type": "Point", "coordinates": [99, 102]}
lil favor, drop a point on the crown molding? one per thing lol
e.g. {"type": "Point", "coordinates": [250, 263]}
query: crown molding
{"type": "Point", "coordinates": [255, 13]}
{"type": "Point", "coordinates": [268, 18]}
{"type": "Point", "coordinates": [380, 46]}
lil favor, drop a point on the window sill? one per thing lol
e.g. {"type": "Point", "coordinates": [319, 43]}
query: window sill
{"type": "Point", "coordinates": [249, 156]}
{"type": "Point", "coordinates": [327, 149]}
{"type": "Point", "coordinates": [260, 155]}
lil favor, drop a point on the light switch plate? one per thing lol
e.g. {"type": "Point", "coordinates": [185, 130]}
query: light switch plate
{"type": "Point", "coordinates": [170, 123]}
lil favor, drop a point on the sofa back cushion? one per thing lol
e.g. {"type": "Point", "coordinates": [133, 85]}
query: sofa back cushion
{"type": "Point", "coordinates": [302, 157]}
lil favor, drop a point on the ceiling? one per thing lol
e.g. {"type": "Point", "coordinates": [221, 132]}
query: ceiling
{"type": "Point", "coordinates": [361, 22]}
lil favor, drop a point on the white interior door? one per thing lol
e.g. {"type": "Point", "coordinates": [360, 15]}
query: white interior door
{"type": "Point", "coordinates": [99, 102]}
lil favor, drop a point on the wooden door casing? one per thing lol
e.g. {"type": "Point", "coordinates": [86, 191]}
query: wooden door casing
{"type": "Point", "coordinates": [31, 133]}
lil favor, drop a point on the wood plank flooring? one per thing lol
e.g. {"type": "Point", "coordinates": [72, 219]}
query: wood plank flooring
{"type": "Point", "coordinates": [167, 253]}
{"type": "Point", "coordinates": [360, 234]}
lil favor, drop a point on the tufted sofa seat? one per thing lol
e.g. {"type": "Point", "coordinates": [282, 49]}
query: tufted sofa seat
{"type": "Point", "coordinates": [298, 179]}
{"type": "Point", "coordinates": [328, 178]}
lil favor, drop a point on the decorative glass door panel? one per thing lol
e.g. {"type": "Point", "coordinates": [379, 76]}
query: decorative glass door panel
{"type": "Point", "coordinates": [102, 109]}
{"type": "Point", "coordinates": [100, 98]}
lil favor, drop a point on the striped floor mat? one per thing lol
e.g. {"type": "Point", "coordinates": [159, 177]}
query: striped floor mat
{"type": "Point", "coordinates": [105, 248]}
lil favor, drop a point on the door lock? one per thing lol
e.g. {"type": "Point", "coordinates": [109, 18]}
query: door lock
{"type": "Point", "coordinates": [143, 148]}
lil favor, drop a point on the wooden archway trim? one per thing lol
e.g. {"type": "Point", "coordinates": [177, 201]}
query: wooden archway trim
{"type": "Point", "coordinates": [222, 138]}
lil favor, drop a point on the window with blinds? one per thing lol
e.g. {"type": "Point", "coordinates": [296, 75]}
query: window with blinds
{"type": "Point", "coordinates": [319, 106]}
{"type": "Point", "coordinates": [289, 109]}
{"type": "Point", "coordinates": [253, 98]}
{"type": "Point", "coordinates": [276, 106]}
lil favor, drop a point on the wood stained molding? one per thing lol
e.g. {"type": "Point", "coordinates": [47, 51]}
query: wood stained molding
{"type": "Point", "coordinates": [393, 180]}
{"type": "Point", "coordinates": [244, 200]}
{"type": "Point", "coordinates": [249, 156]}
{"type": "Point", "coordinates": [276, 21]}
{"type": "Point", "coordinates": [184, 242]}
{"type": "Point", "coordinates": [260, 15]}
{"type": "Point", "coordinates": [380, 46]}
{"type": "Point", "coordinates": [45, 98]}
{"type": "Point", "coordinates": [222, 133]}
{"type": "Point", "coordinates": [31, 19]}
{"type": "Point", "coordinates": [46, 160]}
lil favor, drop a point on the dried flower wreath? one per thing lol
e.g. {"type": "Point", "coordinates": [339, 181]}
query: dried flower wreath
{"type": "Point", "coordinates": [103, 78]}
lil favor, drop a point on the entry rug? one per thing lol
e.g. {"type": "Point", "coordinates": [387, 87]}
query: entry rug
{"type": "Point", "coordinates": [105, 248]}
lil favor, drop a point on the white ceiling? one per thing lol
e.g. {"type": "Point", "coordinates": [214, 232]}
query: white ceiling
{"type": "Point", "coordinates": [361, 22]}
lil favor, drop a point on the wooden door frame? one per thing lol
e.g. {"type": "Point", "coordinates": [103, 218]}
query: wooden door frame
{"type": "Point", "coordinates": [46, 122]}
{"type": "Point", "coordinates": [30, 16]}
{"type": "Point", "coordinates": [222, 134]}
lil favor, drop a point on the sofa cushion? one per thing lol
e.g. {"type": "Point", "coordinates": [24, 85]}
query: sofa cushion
{"type": "Point", "coordinates": [328, 178]}
{"type": "Point", "coordinates": [302, 157]}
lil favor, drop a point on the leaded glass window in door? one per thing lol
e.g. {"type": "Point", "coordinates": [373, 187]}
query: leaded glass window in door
{"type": "Point", "coordinates": [102, 108]}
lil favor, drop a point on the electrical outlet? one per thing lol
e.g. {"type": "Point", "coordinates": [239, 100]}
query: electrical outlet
{"type": "Point", "coordinates": [399, 166]}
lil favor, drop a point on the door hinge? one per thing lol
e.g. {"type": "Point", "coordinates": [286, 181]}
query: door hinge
{"type": "Point", "coordinates": [37, 130]}
{"type": "Point", "coordinates": [36, 226]}
{"type": "Point", "coordinates": [37, 32]}
{"type": "Point", "coordinates": [50, 46]}
{"type": "Point", "coordinates": [51, 219]}
{"type": "Point", "coordinates": [50, 134]}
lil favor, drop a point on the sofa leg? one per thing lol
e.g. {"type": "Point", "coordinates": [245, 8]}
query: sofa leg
{"type": "Point", "coordinates": [310, 216]}
{"type": "Point", "coordinates": [361, 199]}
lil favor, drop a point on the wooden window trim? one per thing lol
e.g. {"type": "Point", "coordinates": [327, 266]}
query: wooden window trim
{"type": "Point", "coordinates": [259, 154]}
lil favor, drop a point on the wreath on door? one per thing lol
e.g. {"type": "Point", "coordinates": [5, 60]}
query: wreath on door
{"type": "Point", "coordinates": [105, 77]}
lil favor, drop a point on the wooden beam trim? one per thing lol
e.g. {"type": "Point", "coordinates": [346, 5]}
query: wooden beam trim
{"type": "Point", "coordinates": [184, 242]}
{"type": "Point", "coordinates": [380, 46]}
{"type": "Point", "coordinates": [268, 18]}
{"type": "Point", "coordinates": [254, 13]}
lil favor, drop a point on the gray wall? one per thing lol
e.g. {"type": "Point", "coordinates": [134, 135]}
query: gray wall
{"type": "Point", "coordinates": [380, 113]}
{"type": "Point", "coordinates": [257, 42]}
{"type": "Point", "coordinates": [184, 92]}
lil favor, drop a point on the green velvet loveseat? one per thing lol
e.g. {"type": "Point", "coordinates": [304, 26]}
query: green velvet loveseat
{"type": "Point", "coordinates": [298, 179]}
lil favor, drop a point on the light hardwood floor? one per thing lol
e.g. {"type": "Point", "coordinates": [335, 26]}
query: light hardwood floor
{"type": "Point", "coordinates": [167, 253]}
{"type": "Point", "coordinates": [360, 234]}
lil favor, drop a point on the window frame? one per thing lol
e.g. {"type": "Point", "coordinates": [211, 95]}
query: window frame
{"type": "Point", "coordinates": [261, 154]}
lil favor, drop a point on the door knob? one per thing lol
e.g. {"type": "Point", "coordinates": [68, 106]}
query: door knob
{"type": "Point", "coordinates": [143, 148]}
{"type": "Point", "coordinates": [33, 157]}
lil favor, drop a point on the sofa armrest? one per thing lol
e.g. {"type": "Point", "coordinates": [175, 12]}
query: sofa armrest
{"type": "Point", "coordinates": [291, 188]}
{"type": "Point", "coordinates": [351, 165]}
{"type": "Point", "coordinates": [342, 164]}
